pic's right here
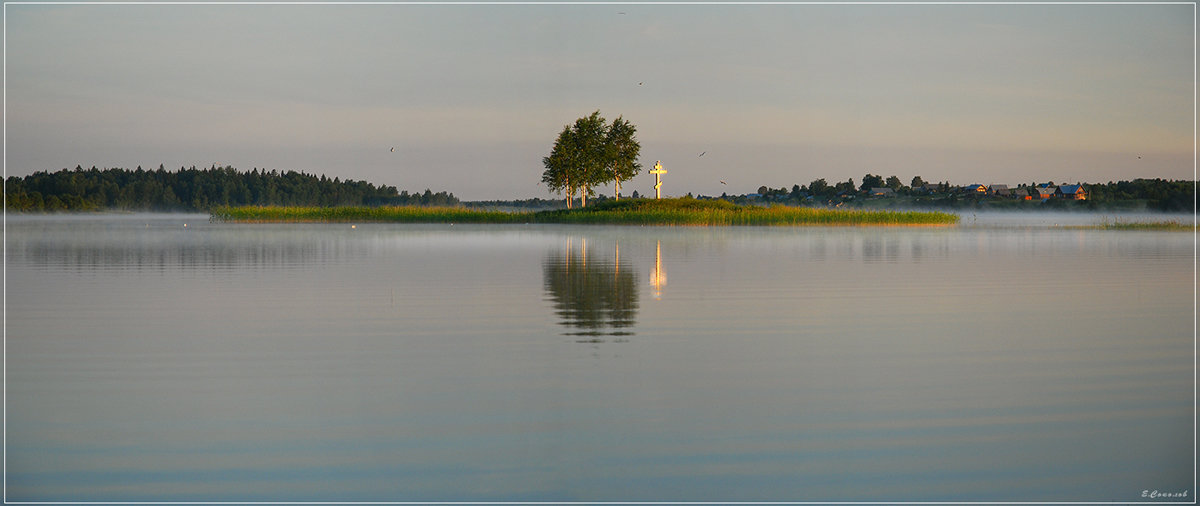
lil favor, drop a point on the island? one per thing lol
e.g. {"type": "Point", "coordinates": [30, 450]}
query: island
{"type": "Point", "coordinates": [639, 211]}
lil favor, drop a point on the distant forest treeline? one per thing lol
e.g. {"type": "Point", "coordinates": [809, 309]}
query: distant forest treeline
{"type": "Point", "coordinates": [1159, 194]}
{"type": "Point", "coordinates": [1138, 194]}
{"type": "Point", "coordinates": [197, 190]}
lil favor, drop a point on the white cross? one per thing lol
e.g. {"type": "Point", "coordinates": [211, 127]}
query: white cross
{"type": "Point", "coordinates": [658, 172]}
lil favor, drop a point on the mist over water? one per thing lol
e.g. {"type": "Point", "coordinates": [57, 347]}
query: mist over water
{"type": "Point", "coordinates": [1031, 219]}
{"type": "Point", "coordinates": [993, 361]}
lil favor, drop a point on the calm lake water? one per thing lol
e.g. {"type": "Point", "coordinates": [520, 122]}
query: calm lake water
{"type": "Point", "coordinates": [1000, 360]}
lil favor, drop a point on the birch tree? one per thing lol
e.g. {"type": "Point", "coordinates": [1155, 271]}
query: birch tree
{"type": "Point", "coordinates": [591, 153]}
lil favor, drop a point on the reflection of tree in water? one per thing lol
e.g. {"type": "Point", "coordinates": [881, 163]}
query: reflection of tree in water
{"type": "Point", "coordinates": [597, 297]}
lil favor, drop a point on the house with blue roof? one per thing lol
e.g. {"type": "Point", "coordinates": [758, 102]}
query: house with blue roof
{"type": "Point", "coordinates": [1071, 192]}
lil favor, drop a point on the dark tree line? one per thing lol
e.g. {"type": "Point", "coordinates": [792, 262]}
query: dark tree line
{"type": "Point", "coordinates": [1152, 194]}
{"type": "Point", "coordinates": [1159, 194]}
{"type": "Point", "coordinates": [197, 190]}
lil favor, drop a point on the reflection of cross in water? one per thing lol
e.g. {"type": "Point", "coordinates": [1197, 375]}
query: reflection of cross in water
{"type": "Point", "coordinates": [658, 277]}
{"type": "Point", "coordinates": [658, 172]}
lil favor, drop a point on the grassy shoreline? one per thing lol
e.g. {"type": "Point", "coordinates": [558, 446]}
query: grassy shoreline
{"type": "Point", "coordinates": [1169, 225]}
{"type": "Point", "coordinates": [682, 211]}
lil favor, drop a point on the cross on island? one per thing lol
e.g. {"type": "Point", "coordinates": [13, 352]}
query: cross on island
{"type": "Point", "coordinates": [658, 172]}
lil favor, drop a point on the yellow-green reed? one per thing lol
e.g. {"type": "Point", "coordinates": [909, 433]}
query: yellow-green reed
{"type": "Point", "coordinates": [683, 211]}
{"type": "Point", "coordinates": [1167, 225]}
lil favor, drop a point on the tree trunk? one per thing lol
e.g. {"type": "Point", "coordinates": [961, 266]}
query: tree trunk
{"type": "Point", "coordinates": [583, 197]}
{"type": "Point", "coordinates": [617, 192]}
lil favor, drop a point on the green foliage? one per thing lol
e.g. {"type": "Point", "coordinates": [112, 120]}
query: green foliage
{"type": "Point", "coordinates": [623, 151]}
{"type": "Point", "coordinates": [592, 149]}
{"type": "Point", "coordinates": [1158, 194]}
{"type": "Point", "coordinates": [196, 190]}
{"type": "Point", "coordinates": [870, 181]}
{"type": "Point", "coordinates": [560, 165]}
{"type": "Point", "coordinates": [591, 153]}
{"type": "Point", "coordinates": [1139, 194]}
{"type": "Point", "coordinates": [533, 203]}
{"type": "Point", "coordinates": [844, 188]}
{"type": "Point", "coordinates": [820, 188]}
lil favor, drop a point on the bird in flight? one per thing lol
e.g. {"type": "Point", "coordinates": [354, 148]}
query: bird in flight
{"type": "Point", "coordinates": [702, 153]}
{"type": "Point", "coordinates": [639, 83]}
{"type": "Point", "coordinates": [393, 150]}
{"type": "Point", "coordinates": [724, 183]}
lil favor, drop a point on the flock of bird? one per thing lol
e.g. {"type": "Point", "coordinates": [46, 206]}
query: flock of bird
{"type": "Point", "coordinates": [640, 83]}
{"type": "Point", "coordinates": [393, 150]}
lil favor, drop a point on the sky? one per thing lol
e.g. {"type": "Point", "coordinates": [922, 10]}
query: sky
{"type": "Point", "coordinates": [468, 98]}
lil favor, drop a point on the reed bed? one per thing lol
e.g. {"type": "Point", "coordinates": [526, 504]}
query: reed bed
{"type": "Point", "coordinates": [1169, 225]}
{"type": "Point", "coordinates": [686, 211]}
{"type": "Point", "coordinates": [625, 212]}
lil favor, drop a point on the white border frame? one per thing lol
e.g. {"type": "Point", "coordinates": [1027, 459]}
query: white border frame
{"type": "Point", "coordinates": [4, 200]}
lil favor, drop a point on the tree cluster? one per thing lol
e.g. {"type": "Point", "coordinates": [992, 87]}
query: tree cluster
{"type": "Point", "coordinates": [591, 153]}
{"type": "Point", "coordinates": [196, 190]}
{"type": "Point", "coordinates": [819, 188]}
{"type": "Point", "coordinates": [1159, 194]}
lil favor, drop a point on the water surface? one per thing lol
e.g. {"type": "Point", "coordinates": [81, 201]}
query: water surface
{"type": "Point", "coordinates": [149, 361]}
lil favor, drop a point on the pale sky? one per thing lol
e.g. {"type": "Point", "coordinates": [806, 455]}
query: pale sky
{"type": "Point", "coordinates": [472, 96]}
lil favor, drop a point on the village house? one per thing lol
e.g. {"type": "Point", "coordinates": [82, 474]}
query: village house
{"type": "Point", "coordinates": [1042, 192]}
{"type": "Point", "coordinates": [882, 192]}
{"type": "Point", "coordinates": [999, 190]}
{"type": "Point", "coordinates": [1020, 193]}
{"type": "Point", "coordinates": [1071, 192]}
{"type": "Point", "coordinates": [975, 189]}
